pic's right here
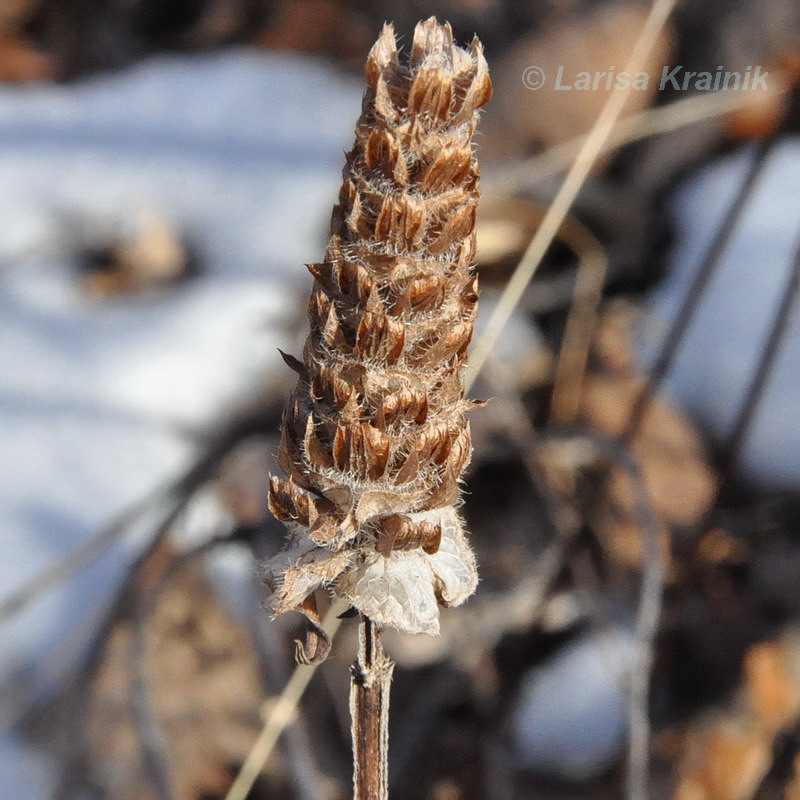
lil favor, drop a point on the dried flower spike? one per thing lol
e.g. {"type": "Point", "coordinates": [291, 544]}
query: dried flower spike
{"type": "Point", "coordinates": [374, 435]}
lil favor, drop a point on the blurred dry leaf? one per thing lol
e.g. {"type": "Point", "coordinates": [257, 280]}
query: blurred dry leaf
{"type": "Point", "coordinates": [446, 789]}
{"type": "Point", "coordinates": [793, 789]}
{"type": "Point", "coordinates": [744, 35]}
{"type": "Point", "coordinates": [771, 683]}
{"type": "Point", "coordinates": [762, 117]}
{"type": "Point", "coordinates": [717, 546]}
{"type": "Point", "coordinates": [204, 686]}
{"type": "Point", "coordinates": [520, 118]}
{"type": "Point", "coordinates": [679, 483]}
{"type": "Point", "coordinates": [151, 256]}
{"type": "Point", "coordinates": [20, 60]}
{"type": "Point", "coordinates": [726, 757]}
{"type": "Point", "coordinates": [315, 26]}
{"type": "Point", "coordinates": [670, 452]}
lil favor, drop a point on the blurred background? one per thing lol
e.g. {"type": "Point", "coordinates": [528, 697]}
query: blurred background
{"type": "Point", "coordinates": [166, 169]}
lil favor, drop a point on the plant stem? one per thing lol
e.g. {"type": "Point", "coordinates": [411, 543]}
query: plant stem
{"type": "Point", "coordinates": [371, 676]}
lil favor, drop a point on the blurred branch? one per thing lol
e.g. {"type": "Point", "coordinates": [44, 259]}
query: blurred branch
{"type": "Point", "coordinates": [279, 714]}
{"type": "Point", "coordinates": [517, 608]}
{"type": "Point", "coordinates": [581, 320]}
{"type": "Point", "coordinates": [649, 610]}
{"type": "Point", "coordinates": [176, 494]}
{"type": "Point", "coordinates": [673, 116]}
{"type": "Point", "coordinates": [75, 695]}
{"type": "Point", "coordinates": [732, 446]}
{"type": "Point", "coordinates": [82, 555]}
{"type": "Point", "coordinates": [647, 619]}
{"type": "Point", "coordinates": [302, 758]}
{"type": "Point", "coordinates": [151, 738]}
{"type": "Point", "coordinates": [708, 265]}
{"type": "Point", "coordinates": [588, 154]}
{"type": "Point", "coordinates": [78, 691]}
{"type": "Point", "coordinates": [758, 384]}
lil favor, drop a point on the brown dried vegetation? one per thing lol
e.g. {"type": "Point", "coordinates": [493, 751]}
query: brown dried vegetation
{"type": "Point", "coordinates": [375, 436]}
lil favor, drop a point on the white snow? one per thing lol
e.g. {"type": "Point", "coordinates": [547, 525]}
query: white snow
{"type": "Point", "coordinates": [241, 152]}
{"type": "Point", "coordinates": [25, 772]}
{"type": "Point", "coordinates": [719, 354]}
{"type": "Point", "coordinates": [570, 717]}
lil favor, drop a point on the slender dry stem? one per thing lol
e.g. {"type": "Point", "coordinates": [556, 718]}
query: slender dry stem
{"type": "Point", "coordinates": [571, 366]}
{"type": "Point", "coordinates": [587, 156]}
{"type": "Point", "coordinates": [371, 676]}
{"type": "Point", "coordinates": [516, 176]}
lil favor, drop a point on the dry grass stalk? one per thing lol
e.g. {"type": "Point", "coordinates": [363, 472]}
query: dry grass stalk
{"type": "Point", "coordinates": [375, 437]}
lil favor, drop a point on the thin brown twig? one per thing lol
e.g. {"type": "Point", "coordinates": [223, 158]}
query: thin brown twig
{"type": "Point", "coordinates": [641, 125]}
{"type": "Point", "coordinates": [574, 354]}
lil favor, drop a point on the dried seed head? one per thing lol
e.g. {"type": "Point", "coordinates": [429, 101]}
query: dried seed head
{"type": "Point", "coordinates": [374, 435]}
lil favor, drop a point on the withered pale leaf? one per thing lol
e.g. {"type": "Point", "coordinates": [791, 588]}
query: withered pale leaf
{"type": "Point", "coordinates": [453, 563]}
{"type": "Point", "coordinates": [300, 570]}
{"type": "Point", "coordinates": [394, 592]}
{"type": "Point", "coordinates": [401, 591]}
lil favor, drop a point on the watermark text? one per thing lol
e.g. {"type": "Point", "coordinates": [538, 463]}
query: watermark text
{"type": "Point", "coordinates": [677, 78]}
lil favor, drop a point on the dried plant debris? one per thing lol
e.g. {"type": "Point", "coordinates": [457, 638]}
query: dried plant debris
{"type": "Point", "coordinates": [678, 480]}
{"type": "Point", "coordinates": [144, 255]}
{"type": "Point", "coordinates": [204, 689]}
{"type": "Point", "coordinates": [20, 59]}
{"type": "Point", "coordinates": [726, 755]}
{"type": "Point", "coordinates": [375, 437]}
{"type": "Point", "coordinates": [589, 43]}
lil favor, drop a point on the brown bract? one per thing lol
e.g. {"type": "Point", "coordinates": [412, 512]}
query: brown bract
{"type": "Point", "coordinates": [374, 435]}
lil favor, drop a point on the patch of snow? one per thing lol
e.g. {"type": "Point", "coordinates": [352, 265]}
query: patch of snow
{"type": "Point", "coordinates": [24, 772]}
{"type": "Point", "coordinates": [720, 351]}
{"type": "Point", "coordinates": [570, 718]}
{"type": "Point", "coordinates": [239, 151]}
